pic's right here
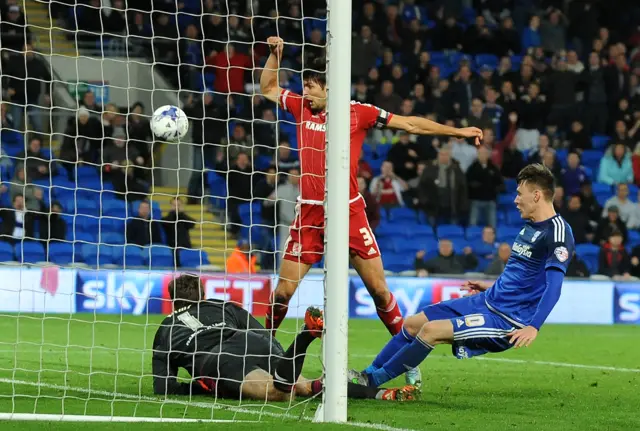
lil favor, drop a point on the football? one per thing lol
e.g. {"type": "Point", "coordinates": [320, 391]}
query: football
{"type": "Point", "coordinates": [169, 123]}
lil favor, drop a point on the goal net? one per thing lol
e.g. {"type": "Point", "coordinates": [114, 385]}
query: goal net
{"type": "Point", "coordinates": [97, 218]}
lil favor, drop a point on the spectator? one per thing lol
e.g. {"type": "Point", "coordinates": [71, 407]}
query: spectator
{"type": "Point", "coordinates": [478, 117]}
{"type": "Point", "coordinates": [17, 223]}
{"type": "Point", "coordinates": [553, 32]}
{"type": "Point", "coordinates": [578, 220]}
{"type": "Point", "coordinates": [610, 223]}
{"type": "Point", "coordinates": [448, 35]}
{"type": "Point", "coordinates": [36, 162]}
{"type": "Point", "coordinates": [113, 18]}
{"type": "Point", "coordinates": [387, 188]}
{"type": "Point", "coordinates": [52, 226]}
{"type": "Point", "coordinates": [574, 175]}
{"type": "Point", "coordinates": [559, 203]}
{"type": "Point", "coordinates": [361, 93]}
{"type": "Point", "coordinates": [241, 260]}
{"type": "Point", "coordinates": [479, 38]}
{"type": "Point", "coordinates": [494, 111]}
{"type": "Point", "coordinates": [532, 110]}
{"type": "Point", "coordinates": [507, 40]}
{"type": "Point", "coordinates": [498, 264]}
{"type": "Point", "coordinates": [286, 158]}
{"type": "Point", "coordinates": [364, 168]}
{"type": "Point", "coordinates": [531, 35]}
{"type": "Point", "coordinates": [627, 210]}
{"type": "Point", "coordinates": [573, 63]}
{"type": "Point", "coordinates": [139, 131]}
{"type": "Point", "coordinates": [165, 39]}
{"type": "Point", "coordinates": [230, 68]}
{"type": "Point", "coordinates": [239, 142]}
{"type": "Point", "coordinates": [404, 155]}
{"type": "Point", "coordinates": [464, 90]}
{"type": "Point", "coordinates": [15, 34]}
{"type": "Point", "coordinates": [462, 152]}
{"type": "Point", "coordinates": [596, 98]}
{"type": "Point", "coordinates": [577, 267]}
{"type": "Point", "coordinates": [284, 198]}
{"type": "Point", "coordinates": [621, 133]}
{"type": "Point", "coordinates": [613, 260]}
{"type": "Point", "coordinates": [123, 165]}
{"type": "Point", "coordinates": [366, 49]}
{"type": "Point", "coordinates": [443, 190]}
{"type": "Point", "coordinates": [29, 86]}
{"type": "Point", "coordinates": [264, 189]}
{"type": "Point", "coordinates": [388, 99]}
{"type": "Point", "coordinates": [89, 102]}
{"type": "Point", "coordinates": [615, 166]}
{"type": "Point", "coordinates": [447, 261]}
{"type": "Point", "coordinates": [372, 208]}
{"type": "Point", "coordinates": [82, 141]}
{"type": "Point", "coordinates": [484, 182]}
{"type": "Point", "coordinates": [562, 87]}
{"type": "Point", "coordinates": [579, 139]}
{"type": "Point", "coordinates": [634, 269]}
{"type": "Point", "coordinates": [240, 186]}
{"type": "Point", "coordinates": [177, 225]}
{"type": "Point", "coordinates": [590, 205]}
{"type": "Point", "coordinates": [32, 195]}
{"type": "Point", "coordinates": [141, 230]}
{"type": "Point", "coordinates": [550, 162]}
{"type": "Point", "coordinates": [487, 247]}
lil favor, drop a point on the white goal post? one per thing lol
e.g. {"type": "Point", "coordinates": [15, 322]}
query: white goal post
{"type": "Point", "coordinates": [78, 311]}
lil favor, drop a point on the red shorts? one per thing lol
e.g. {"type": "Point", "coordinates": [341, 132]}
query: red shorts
{"type": "Point", "coordinates": [306, 235]}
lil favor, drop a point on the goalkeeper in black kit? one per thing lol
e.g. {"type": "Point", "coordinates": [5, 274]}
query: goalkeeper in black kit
{"type": "Point", "coordinates": [229, 354]}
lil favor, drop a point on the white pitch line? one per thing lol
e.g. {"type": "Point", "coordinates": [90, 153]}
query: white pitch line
{"type": "Point", "coordinates": [115, 395]}
{"type": "Point", "coordinates": [531, 362]}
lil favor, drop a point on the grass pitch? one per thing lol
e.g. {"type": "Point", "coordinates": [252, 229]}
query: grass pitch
{"type": "Point", "coordinates": [572, 378]}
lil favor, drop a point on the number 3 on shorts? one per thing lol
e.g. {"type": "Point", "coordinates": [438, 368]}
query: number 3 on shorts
{"type": "Point", "coordinates": [366, 236]}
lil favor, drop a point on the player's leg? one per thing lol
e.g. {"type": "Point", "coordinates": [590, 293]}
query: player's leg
{"type": "Point", "coordinates": [303, 248]}
{"type": "Point", "coordinates": [366, 260]}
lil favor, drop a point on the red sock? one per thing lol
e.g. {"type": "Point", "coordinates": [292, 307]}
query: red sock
{"type": "Point", "coordinates": [275, 313]}
{"type": "Point", "coordinates": [316, 387]}
{"type": "Point", "coordinates": [391, 316]}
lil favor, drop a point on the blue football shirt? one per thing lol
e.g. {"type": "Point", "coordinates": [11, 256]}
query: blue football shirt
{"type": "Point", "coordinates": [517, 292]}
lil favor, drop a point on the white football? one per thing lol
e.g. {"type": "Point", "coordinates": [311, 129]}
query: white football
{"type": "Point", "coordinates": [169, 123]}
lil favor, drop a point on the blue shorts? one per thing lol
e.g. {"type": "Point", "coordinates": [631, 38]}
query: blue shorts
{"type": "Point", "coordinates": [476, 329]}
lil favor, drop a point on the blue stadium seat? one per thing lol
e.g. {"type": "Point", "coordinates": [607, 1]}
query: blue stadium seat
{"type": "Point", "coordinates": [634, 237]}
{"type": "Point", "coordinates": [450, 231]}
{"type": "Point", "coordinates": [84, 173]}
{"type": "Point", "coordinates": [134, 255]}
{"type": "Point", "coordinates": [422, 230]}
{"type": "Point", "coordinates": [487, 59]}
{"type": "Point", "coordinates": [29, 252]}
{"type": "Point", "coordinates": [601, 188]}
{"type": "Point", "coordinates": [633, 192]}
{"type": "Point", "coordinates": [85, 223]}
{"type": "Point", "coordinates": [159, 257]}
{"type": "Point", "coordinates": [115, 208]}
{"type": "Point", "coordinates": [387, 244]}
{"type": "Point", "coordinates": [111, 238]}
{"type": "Point", "coordinates": [600, 142]}
{"type": "Point", "coordinates": [93, 255]}
{"type": "Point", "coordinates": [591, 158]}
{"type": "Point", "coordinates": [584, 250]}
{"type": "Point", "coordinates": [6, 252]}
{"type": "Point", "coordinates": [459, 244]}
{"type": "Point", "coordinates": [383, 150]}
{"type": "Point", "coordinates": [87, 207]}
{"type": "Point", "coordinates": [193, 258]}
{"type": "Point", "coordinates": [510, 185]}
{"type": "Point", "coordinates": [402, 214]}
{"type": "Point", "coordinates": [474, 232]}
{"type": "Point", "coordinates": [507, 234]}
{"type": "Point", "coordinates": [391, 229]}
{"type": "Point", "coordinates": [61, 253]}
{"type": "Point", "coordinates": [505, 200]}
{"type": "Point", "coordinates": [481, 248]}
{"type": "Point", "coordinates": [483, 263]}
{"type": "Point", "coordinates": [398, 262]}
{"type": "Point", "coordinates": [592, 263]}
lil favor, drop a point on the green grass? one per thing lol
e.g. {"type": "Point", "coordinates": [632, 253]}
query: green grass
{"type": "Point", "coordinates": [101, 366]}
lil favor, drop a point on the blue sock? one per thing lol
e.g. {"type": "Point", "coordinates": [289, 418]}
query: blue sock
{"type": "Point", "coordinates": [396, 343]}
{"type": "Point", "coordinates": [410, 356]}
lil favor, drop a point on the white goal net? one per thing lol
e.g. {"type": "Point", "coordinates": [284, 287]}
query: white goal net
{"type": "Point", "coordinates": [97, 219]}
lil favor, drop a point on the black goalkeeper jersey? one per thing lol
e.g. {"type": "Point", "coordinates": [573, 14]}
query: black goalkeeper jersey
{"type": "Point", "coordinates": [194, 338]}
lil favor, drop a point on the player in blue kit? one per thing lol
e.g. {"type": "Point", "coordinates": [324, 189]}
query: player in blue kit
{"type": "Point", "coordinates": [492, 318]}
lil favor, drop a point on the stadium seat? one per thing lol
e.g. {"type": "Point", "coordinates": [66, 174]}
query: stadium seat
{"type": "Point", "coordinates": [111, 238]}
{"type": "Point", "coordinates": [634, 237]}
{"type": "Point", "coordinates": [6, 252]}
{"type": "Point", "coordinates": [487, 59]}
{"type": "Point", "coordinates": [507, 234]}
{"type": "Point", "coordinates": [600, 142]}
{"type": "Point", "coordinates": [449, 231]}
{"type": "Point", "coordinates": [387, 244]}
{"type": "Point", "coordinates": [505, 200]}
{"type": "Point", "coordinates": [96, 256]}
{"type": "Point", "coordinates": [591, 158]}
{"type": "Point", "coordinates": [398, 262]}
{"type": "Point", "coordinates": [510, 185]}
{"type": "Point", "coordinates": [159, 257]}
{"type": "Point", "coordinates": [473, 233]}
{"type": "Point", "coordinates": [85, 223]}
{"type": "Point", "coordinates": [134, 255]}
{"type": "Point", "coordinates": [402, 214]}
{"type": "Point", "coordinates": [115, 208]}
{"type": "Point", "coordinates": [391, 229]}
{"type": "Point", "coordinates": [61, 253]}
{"type": "Point", "coordinates": [481, 248]}
{"type": "Point", "coordinates": [85, 172]}
{"type": "Point", "coordinates": [87, 207]}
{"type": "Point", "coordinates": [29, 252]}
{"type": "Point", "coordinates": [193, 258]}
{"type": "Point", "coordinates": [584, 250]}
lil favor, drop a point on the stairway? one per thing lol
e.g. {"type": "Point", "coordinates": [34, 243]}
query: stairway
{"type": "Point", "coordinates": [208, 235]}
{"type": "Point", "coordinates": [48, 38]}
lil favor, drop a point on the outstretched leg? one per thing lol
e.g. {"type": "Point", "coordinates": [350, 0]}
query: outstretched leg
{"type": "Point", "coordinates": [290, 275]}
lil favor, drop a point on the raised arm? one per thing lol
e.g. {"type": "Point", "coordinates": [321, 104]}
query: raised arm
{"type": "Point", "coordinates": [269, 79]}
{"type": "Point", "coordinates": [423, 126]}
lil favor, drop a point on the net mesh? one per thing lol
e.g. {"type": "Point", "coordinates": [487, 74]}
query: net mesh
{"type": "Point", "coordinates": [98, 218]}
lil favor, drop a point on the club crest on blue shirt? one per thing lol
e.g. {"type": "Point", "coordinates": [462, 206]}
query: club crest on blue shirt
{"type": "Point", "coordinates": [561, 253]}
{"type": "Point", "coordinates": [535, 236]}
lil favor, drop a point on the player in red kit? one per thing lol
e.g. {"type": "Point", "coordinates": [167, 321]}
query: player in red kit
{"type": "Point", "coordinates": [305, 245]}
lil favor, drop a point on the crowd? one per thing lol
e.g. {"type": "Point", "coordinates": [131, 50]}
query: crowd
{"type": "Point", "coordinates": [555, 82]}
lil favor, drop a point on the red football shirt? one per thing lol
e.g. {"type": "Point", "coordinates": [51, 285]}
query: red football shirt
{"type": "Point", "coordinates": [311, 133]}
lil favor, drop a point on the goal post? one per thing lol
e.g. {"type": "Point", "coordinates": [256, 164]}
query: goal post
{"type": "Point", "coordinates": [337, 243]}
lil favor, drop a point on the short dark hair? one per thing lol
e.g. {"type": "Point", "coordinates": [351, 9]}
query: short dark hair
{"type": "Point", "coordinates": [185, 290]}
{"type": "Point", "coordinates": [540, 176]}
{"type": "Point", "coordinates": [316, 71]}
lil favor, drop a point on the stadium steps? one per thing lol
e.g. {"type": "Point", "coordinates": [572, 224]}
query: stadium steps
{"type": "Point", "coordinates": [209, 235]}
{"type": "Point", "coordinates": [48, 39]}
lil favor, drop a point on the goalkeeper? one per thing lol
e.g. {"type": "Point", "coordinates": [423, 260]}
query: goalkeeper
{"type": "Point", "coordinates": [230, 354]}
